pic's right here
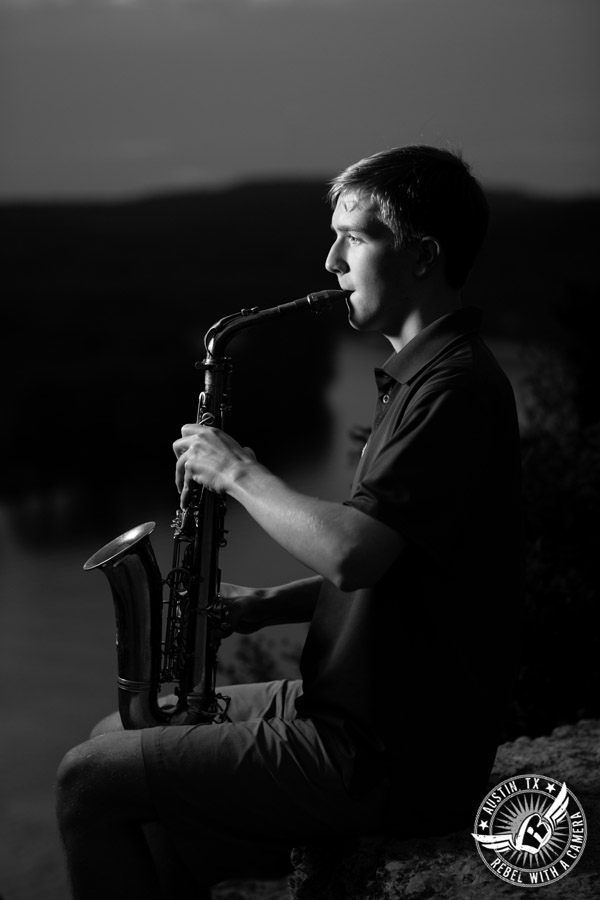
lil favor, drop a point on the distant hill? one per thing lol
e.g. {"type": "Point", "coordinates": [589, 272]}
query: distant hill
{"type": "Point", "coordinates": [105, 306]}
{"type": "Point", "coordinates": [211, 252]}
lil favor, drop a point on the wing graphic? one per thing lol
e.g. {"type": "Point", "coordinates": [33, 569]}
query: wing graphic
{"type": "Point", "coordinates": [495, 841]}
{"type": "Point", "coordinates": [559, 806]}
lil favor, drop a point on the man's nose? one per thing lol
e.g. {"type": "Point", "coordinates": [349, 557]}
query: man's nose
{"type": "Point", "coordinates": [335, 262]}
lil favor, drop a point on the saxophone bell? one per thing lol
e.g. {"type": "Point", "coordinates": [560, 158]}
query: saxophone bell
{"type": "Point", "coordinates": [132, 571]}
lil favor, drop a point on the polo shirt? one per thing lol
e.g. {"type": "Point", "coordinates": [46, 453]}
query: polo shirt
{"type": "Point", "coordinates": [416, 669]}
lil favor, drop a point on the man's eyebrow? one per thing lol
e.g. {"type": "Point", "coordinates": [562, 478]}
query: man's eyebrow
{"type": "Point", "coordinates": [343, 229]}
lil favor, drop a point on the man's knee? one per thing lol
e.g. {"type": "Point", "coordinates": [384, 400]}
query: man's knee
{"type": "Point", "coordinates": [73, 786]}
{"type": "Point", "coordinates": [103, 778]}
{"type": "Point", "coordinates": [108, 723]}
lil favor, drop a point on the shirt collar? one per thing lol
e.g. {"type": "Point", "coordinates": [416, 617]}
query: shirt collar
{"type": "Point", "coordinates": [428, 343]}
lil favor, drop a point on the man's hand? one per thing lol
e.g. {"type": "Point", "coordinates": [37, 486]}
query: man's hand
{"type": "Point", "coordinates": [207, 456]}
{"type": "Point", "coordinates": [243, 605]}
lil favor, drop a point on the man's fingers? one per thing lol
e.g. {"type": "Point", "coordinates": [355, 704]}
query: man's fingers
{"type": "Point", "coordinates": [184, 443]}
{"type": "Point", "coordinates": [179, 473]}
{"type": "Point", "coordinates": [179, 447]}
{"type": "Point", "coordinates": [207, 456]}
{"type": "Point", "coordinates": [190, 429]}
{"type": "Point", "coordinates": [182, 473]}
{"type": "Point", "coordinates": [184, 498]}
{"type": "Point", "coordinates": [185, 481]}
{"type": "Point", "coordinates": [189, 434]}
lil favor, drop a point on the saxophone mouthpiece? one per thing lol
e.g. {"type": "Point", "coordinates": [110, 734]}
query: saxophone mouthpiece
{"type": "Point", "coordinates": [322, 300]}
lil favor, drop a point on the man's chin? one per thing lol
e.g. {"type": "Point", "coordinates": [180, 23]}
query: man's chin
{"type": "Point", "coordinates": [351, 313]}
{"type": "Point", "coordinates": [352, 317]}
{"type": "Point", "coordinates": [355, 322]}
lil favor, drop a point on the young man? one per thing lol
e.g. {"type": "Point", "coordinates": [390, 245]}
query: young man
{"type": "Point", "coordinates": [394, 725]}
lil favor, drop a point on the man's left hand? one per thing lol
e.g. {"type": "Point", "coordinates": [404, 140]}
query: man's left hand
{"type": "Point", "coordinates": [207, 456]}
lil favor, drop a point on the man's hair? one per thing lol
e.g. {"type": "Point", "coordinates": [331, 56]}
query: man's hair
{"type": "Point", "coordinates": [423, 191]}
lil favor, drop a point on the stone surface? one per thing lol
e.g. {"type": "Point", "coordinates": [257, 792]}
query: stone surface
{"type": "Point", "coordinates": [251, 890]}
{"type": "Point", "coordinates": [449, 867]}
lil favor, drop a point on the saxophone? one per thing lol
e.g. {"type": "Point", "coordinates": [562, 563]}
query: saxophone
{"type": "Point", "coordinates": [196, 619]}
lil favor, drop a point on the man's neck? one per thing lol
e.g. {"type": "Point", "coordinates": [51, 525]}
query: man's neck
{"type": "Point", "coordinates": [423, 314]}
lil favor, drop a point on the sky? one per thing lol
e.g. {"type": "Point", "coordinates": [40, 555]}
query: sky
{"type": "Point", "coordinates": [111, 98]}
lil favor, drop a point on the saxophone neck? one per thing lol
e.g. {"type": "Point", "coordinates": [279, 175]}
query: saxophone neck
{"type": "Point", "coordinates": [218, 335]}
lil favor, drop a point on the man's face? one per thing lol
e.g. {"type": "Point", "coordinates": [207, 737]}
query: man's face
{"type": "Point", "coordinates": [365, 262]}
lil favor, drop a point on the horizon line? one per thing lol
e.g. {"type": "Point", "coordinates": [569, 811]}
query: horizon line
{"type": "Point", "coordinates": [140, 195]}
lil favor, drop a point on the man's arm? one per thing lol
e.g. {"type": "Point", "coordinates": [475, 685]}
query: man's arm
{"type": "Point", "coordinates": [342, 544]}
{"type": "Point", "coordinates": [251, 609]}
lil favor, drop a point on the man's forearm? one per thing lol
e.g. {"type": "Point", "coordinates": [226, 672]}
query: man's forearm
{"type": "Point", "coordinates": [287, 604]}
{"type": "Point", "coordinates": [251, 609]}
{"type": "Point", "coordinates": [314, 531]}
{"type": "Point", "coordinates": [345, 545]}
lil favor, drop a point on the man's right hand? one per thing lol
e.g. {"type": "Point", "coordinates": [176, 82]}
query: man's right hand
{"type": "Point", "coordinates": [243, 605]}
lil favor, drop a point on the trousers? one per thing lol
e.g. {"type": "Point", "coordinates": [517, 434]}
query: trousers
{"type": "Point", "coordinates": [236, 797]}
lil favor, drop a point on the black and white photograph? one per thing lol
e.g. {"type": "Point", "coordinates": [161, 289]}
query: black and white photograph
{"type": "Point", "coordinates": [300, 479]}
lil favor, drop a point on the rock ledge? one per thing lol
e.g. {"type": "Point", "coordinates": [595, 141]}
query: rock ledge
{"type": "Point", "coordinates": [449, 867]}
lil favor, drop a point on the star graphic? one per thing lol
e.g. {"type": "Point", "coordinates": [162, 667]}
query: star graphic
{"type": "Point", "coordinates": [483, 825]}
{"type": "Point", "coordinates": [550, 787]}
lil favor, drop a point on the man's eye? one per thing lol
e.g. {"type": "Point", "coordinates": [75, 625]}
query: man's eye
{"type": "Point", "coordinates": [353, 239]}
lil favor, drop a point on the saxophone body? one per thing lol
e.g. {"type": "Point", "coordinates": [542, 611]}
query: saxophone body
{"type": "Point", "coordinates": [183, 648]}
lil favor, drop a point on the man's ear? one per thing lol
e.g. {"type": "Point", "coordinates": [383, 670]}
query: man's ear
{"type": "Point", "coordinates": [428, 252]}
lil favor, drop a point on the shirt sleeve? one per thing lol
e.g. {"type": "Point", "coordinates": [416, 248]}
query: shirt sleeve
{"type": "Point", "coordinates": [423, 480]}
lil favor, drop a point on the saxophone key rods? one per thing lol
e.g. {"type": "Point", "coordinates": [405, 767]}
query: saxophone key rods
{"type": "Point", "coordinates": [196, 618]}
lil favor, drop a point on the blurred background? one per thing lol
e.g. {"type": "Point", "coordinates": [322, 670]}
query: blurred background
{"type": "Point", "coordinates": [164, 163]}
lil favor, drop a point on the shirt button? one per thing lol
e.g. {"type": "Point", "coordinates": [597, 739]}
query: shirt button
{"type": "Point", "coordinates": [385, 398]}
